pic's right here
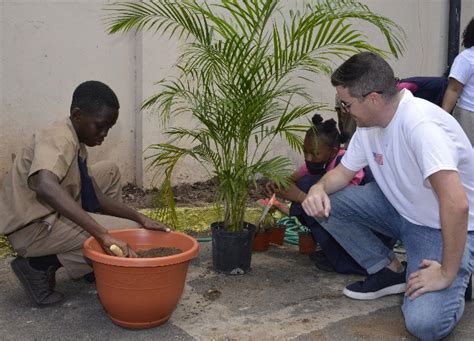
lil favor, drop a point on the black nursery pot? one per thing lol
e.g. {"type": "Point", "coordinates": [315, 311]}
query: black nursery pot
{"type": "Point", "coordinates": [232, 251]}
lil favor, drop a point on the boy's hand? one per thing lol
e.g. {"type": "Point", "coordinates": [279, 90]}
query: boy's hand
{"type": "Point", "coordinates": [151, 224]}
{"type": "Point", "coordinates": [107, 241]}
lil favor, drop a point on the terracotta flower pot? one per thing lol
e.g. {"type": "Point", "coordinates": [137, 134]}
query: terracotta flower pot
{"type": "Point", "coordinates": [261, 241]}
{"type": "Point", "coordinates": [141, 293]}
{"type": "Point", "coordinates": [306, 243]}
{"type": "Point", "coordinates": [278, 235]}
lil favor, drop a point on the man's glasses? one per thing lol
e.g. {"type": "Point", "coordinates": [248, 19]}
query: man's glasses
{"type": "Point", "coordinates": [345, 107]}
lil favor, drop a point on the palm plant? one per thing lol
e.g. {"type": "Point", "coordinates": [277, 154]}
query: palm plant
{"type": "Point", "coordinates": [243, 79]}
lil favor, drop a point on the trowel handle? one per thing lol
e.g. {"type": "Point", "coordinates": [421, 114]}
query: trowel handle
{"type": "Point", "coordinates": [116, 250]}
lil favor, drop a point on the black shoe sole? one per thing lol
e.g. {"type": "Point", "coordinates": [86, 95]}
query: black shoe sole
{"type": "Point", "coordinates": [391, 290]}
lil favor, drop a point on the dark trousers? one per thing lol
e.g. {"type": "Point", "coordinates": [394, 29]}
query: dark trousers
{"type": "Point", "coordinates": [337, 256]}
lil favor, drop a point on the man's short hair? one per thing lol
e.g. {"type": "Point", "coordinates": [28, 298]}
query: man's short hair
{"type": "Point", "coordinates": [364, 73]}
{"type": "Point", "coordinates": [92, 96]}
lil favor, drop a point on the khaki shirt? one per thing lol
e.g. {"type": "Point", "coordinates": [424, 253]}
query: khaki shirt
{"type": "Point", "coordinates": [54, 148]}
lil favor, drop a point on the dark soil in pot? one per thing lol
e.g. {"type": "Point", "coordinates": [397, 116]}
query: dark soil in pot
{"type": "Point", "coordinates": [158, 252]}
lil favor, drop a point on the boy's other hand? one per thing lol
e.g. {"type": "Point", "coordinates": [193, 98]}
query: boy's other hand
{"type": "Point", "coordinates": [151, 224]}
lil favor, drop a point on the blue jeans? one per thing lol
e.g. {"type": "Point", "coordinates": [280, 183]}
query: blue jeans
{"type": "Point", "coordinates": [358, 211]}
{"type": "Point", "coordinates": [336, 255]}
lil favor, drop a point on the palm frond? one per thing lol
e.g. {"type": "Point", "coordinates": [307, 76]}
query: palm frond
{"type": "Point", "coordinates": [162, 16]}
{"type": "Point", "coordinates": [243, 77]}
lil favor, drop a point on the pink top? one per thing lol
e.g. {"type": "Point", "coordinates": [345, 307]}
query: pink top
{"type": "Point", "coordinates": [413, 87]}
{"type": "Point", "coordinates": [303, 170]}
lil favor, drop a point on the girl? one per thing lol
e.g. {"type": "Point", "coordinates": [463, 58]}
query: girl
{"type": "Point", "coordinates": [322, 153]}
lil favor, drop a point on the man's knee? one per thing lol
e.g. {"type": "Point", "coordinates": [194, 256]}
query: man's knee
{"type": "Point", "coordinates": [427, 321]}
{"type": "Point", "coordinates": [344, 200]}
{"type": "Point", "coordinates": [422, 326]}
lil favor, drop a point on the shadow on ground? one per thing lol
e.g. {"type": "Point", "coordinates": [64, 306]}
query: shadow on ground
{"type": "Point", "coordinates": [283, 297]}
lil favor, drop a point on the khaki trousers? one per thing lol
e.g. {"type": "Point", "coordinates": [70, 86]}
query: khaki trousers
{"type": "Point", "coordinates": [58, 235]}
{"type": "Point", "coordinates": [466, 120]}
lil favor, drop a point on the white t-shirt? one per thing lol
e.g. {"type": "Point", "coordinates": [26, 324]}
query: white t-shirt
{"type": "Point", "coordinates": [420, 140]}
{"type": "Point", "coordinates": [463, 71]}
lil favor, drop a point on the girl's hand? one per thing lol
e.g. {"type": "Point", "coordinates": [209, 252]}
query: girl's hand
{"type": "Point", "coordinates": [430, 277]}
{"type": "Point", "coordinates": [151, 224]}
{"type": "Point", "coordinates": [293, 193]}
{"type": "Point", "coordinates": [271, 188]}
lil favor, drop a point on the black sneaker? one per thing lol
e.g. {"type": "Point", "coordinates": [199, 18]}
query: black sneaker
{"type": "Point", "coordinates": [39, 285]}
{"type": "Point", "coordinates": [321, 261]}
{"type": "Point", "coordinates": [468, 293]}
{"type": "Point", "coordinates": [383, 283]}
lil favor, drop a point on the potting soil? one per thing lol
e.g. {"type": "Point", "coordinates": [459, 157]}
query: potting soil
{"type": "Point", "coordinates": [158, 252]}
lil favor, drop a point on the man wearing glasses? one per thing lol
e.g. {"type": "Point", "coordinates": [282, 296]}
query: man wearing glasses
{"type": "Point", "coordinates": [423, 165]}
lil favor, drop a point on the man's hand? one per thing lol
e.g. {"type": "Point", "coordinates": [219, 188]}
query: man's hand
{"type": "Point", "coordinates": [151, 224]}
{"type": "Point", "coordinates": [430, 277]}
{"type": "Point", "coordinates": [106, 241]}
{"type": "Point", "coordinates": [317, 202]}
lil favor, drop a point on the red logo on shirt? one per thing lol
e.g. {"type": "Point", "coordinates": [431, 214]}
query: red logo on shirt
{"type": "Point", "coordinates": [378, 158]}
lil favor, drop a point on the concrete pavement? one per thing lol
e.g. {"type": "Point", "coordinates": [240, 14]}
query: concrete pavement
{"type": "Point", "coordinates": [284, 297]}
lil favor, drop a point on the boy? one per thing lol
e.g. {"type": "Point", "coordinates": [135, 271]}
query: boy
{"type": "Point", "coordinates": [50, 204]}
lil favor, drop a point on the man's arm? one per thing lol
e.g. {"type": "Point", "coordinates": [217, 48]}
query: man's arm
{"type": "Point", "coordinates": [454, 210]}
{"type": "Point", "coordinates": [117, 209]}
{"type": "Point", "coordinates": [48, 190]}
{"type": "Point", "coordinates": [317, 203]}
{"type": "Point", "coordinates": [453, 91]}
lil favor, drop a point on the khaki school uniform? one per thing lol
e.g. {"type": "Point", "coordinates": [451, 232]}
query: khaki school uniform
{"type": "Point", "coordinates": [33, 228]}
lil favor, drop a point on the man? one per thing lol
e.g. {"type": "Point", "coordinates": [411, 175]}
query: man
{"type": "Point", "coordinates": [49, 203]}
{"type": "Point", "coordinates": [423, 165]}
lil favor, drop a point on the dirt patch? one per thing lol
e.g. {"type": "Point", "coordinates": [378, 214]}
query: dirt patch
{"type": "Point", "coordinates": [212, 294]}
{"type": "Point", "coordinates": [158, 252]}
{"type": "Point", "coordinates": [198, 194]}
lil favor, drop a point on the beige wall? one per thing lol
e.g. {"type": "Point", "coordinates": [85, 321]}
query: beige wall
{"type": "Point", "coordinates": [48, 47]}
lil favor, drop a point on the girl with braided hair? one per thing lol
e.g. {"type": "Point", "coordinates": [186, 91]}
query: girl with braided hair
{"type": "Point", "coordinates": [322, 152]}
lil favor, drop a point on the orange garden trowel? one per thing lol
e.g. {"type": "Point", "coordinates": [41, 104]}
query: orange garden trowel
{"type": "Point", "coordinates": [279, 205]}
{"type": "Point", "coordinates": [267, 208]}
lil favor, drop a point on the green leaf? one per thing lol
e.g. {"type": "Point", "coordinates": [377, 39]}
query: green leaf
{"type": "Point", "coordinates": [243, 81]}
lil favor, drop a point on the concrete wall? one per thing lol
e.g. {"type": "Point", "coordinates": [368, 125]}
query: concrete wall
{"type": "Point", "coordinates": [49, 47]}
